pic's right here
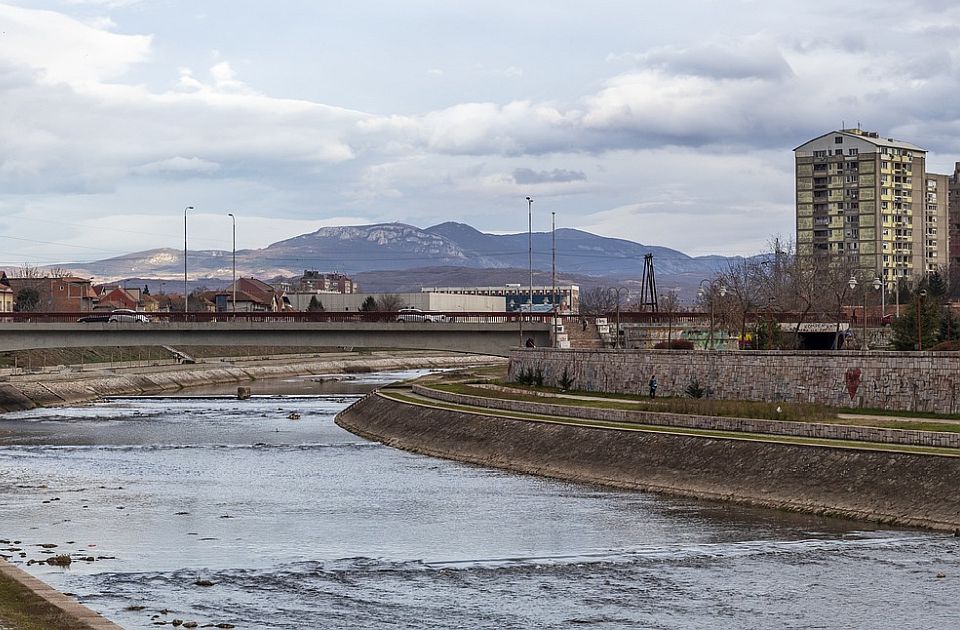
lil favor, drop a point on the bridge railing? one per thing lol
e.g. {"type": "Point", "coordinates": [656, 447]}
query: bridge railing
{"type": "Point", "coordinates": [281, 317]}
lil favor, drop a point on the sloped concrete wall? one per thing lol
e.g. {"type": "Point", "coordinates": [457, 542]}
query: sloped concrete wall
{"type": "Point", "coordinates": [894, 488]}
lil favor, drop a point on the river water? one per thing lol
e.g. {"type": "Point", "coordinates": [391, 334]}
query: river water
{"type": "Point", "coordinates": [204, 508]}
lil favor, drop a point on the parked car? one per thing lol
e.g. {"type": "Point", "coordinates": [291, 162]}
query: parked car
{"type": "Point", "coordinates": [86, 319]}
{"type": "Point", "coordinates": [127, 315]}
{"type": "Point", "coordinates": [416, 315]}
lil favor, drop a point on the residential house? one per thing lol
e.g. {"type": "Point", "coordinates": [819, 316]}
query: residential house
{"type": "Point", "coordinates": [6, 294]}
{"type": "Point", "coordinates": [252, 295]}
{"type": "Point", "coordinates": [67, 294]}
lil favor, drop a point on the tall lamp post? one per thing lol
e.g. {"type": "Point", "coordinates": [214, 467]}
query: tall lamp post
{"type": "Point", "coordinates": [530, 246]}
{"type": "Point", "coordinates": [186, 305]}
{"type": "Point", "coordinates": [853, 285]}
{"type": "Point", "coordinates": [234, 305]}
{"type": "Point", "coordinates": [553, 298]}
{"type": "Point", "coordinates": [920, 296]}
{"type": "Point", "coordinates": [617, 291]}
{"type": "Point", "coordinates": [712, 286]}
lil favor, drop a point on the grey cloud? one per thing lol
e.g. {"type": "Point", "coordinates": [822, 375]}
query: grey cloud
{"type": "Point", "coordinates": [530, 176]}
{"type": "Point", "coordinates": [740, 61]}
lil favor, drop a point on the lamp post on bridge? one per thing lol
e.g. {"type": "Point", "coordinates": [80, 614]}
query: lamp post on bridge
{"type": "Point", "coordinates": [234, 305]}
{"type": "Point", "coordinates": [186, 304]}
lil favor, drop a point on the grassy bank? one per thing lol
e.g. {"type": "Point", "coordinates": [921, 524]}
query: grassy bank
{"type": "Point", "coordinates": [792, 412]}
{"type": "Point", "coordinates": [22, 609]}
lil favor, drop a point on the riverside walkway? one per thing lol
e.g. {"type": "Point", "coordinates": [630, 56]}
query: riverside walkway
{"type": "Point", "coordinates": [427, 397]}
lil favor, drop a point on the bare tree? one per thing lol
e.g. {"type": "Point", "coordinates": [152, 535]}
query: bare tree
{"type": "Point", "coordinates": [598, 301]}
{"type": "Point", "coordinates": [742, 294]}
{"type": "Point", "coordinates": [390, 302]}
{"type": "Point", "coordinates": [26, 270]}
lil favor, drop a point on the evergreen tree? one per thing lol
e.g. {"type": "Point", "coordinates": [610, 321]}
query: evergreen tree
{"type": "Point", "coordinates": [369, 305]}
{"type": "Point", "coordinates": [906, 329]}
{"type": "Point", "coordinates": [27, 299]}
{"type": "Point", "coordinates": [315, 306]}
{"type": "Point", "coordinates": [936, 286]}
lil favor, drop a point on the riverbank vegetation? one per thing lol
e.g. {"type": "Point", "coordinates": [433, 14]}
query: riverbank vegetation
{"type": "Point", "coordinates": [23, 609]}
{"type": "Point", "coordinates": [793, 412]}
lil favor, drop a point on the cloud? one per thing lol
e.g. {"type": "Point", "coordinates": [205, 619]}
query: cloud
{"type": "Point", "coordinates": [753, 57]}
{"type": "Point", "coordinates": [178, 165]}
{"type": "Point", "coordinates": [529, 176]}
{"type": "Point", "coordinates": [82, 54]}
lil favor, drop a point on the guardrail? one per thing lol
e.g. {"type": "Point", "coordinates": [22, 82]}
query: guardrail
{"type": "Point", "coordinates": [285, 317]}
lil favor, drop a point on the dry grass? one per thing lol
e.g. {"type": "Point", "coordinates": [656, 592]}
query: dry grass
{"type": "Point", "coordinates": [692, 406]}
{"type": "Point", "coordinates": [22, 609]}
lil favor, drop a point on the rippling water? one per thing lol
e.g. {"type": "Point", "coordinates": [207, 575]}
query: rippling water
{"type": "Point", "coordinates": [299, 524]}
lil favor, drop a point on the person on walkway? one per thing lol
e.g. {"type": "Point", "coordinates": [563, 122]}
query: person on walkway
{"type": "Point", "coordinates": [583, 324]}
{"type": "Point", "coordinates": [653, 387]}
{"type": "Point", "coordinates": [530, 343]}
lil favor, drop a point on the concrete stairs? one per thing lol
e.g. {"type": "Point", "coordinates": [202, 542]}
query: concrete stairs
{"type": "Point", "coordinates": [580, 338]}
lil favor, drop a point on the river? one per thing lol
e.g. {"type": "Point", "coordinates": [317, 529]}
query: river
{"type": "Point", "coordinates": [205, 508]}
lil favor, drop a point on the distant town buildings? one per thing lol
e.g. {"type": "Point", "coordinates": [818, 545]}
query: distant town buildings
{"type": "Point", "coordinates": [313, 281]}
{"type": "Point", "coordinates": [58, 294]}
{"type": "Point", "coordinates": [424, 300]}
{"type": "Point", "coordinates": [517, 296]}
{"type": "Point", "coordinates": [870, 202]}
{"type": "Point", "coordinates": [252, 296]}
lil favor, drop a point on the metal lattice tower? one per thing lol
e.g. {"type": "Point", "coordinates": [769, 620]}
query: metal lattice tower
{"type": "Point", "coordinates": [648, 285]}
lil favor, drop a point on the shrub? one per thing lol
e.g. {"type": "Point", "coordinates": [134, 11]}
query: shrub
{"type": "Point", "coordinates": [566, 381]}
{"type": "Point", "coordinates": [694, 390]}
{"type": "Point", "coordinates": [675, 344]}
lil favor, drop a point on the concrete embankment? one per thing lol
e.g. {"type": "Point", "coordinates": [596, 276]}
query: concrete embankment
{"type": "Point", "coordinates": [913, 490]}
{"type": "Point", "coordinates": [82, 386]}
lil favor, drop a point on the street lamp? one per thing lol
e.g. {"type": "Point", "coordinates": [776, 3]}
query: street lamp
{"type": "Point", "coordinates": [230, 214]}
{"type": "Point", "coordinates": [920, 296]}
{"type": "Point", "coordinates": [617, 291]}
{"type": "Point", "coordinates": [185, 303]}
{"type": "Point", "coordinates": [853, 285]}
{"type": "Point", "coordinates": [712, 286]}
{"type": "Point", "coordinates": [530, 245]}
{"type": "Point", "coordinates": [878, 286]}
{"type": "Point", "coordinates": [553, 237]}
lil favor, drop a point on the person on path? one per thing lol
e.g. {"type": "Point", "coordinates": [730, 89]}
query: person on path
{"type": "Point", "coordinates": [653, 387]}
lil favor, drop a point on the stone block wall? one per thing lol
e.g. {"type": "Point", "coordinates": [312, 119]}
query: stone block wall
{"type": "Point", "coordinates": [906, 381]}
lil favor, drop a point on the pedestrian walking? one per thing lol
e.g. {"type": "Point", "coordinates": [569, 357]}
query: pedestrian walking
{"type": "Point", "coordinates": [583, 324]}
{"type": "Point", "coordinates": [653, 387]}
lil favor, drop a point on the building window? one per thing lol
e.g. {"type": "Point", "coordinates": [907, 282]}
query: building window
{"type": "Point", "coordinates": [838, 140]}
{"type": "Point", "coordinates": [852, 151]}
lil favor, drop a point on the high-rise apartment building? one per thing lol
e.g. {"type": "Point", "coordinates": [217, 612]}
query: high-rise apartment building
{"type": "Point", "coordinates": [935, 245]}
{"type": "Point", "coordinates": [861, 199]}
{"type": "Point", "coordinates": [954, 219]}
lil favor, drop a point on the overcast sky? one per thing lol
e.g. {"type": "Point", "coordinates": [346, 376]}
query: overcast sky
{"type": "Point", "coordinates": [667, 123]}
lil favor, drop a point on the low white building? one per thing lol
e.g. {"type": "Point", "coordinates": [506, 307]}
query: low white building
{"type": "Point", "coordinates": [441, 302]}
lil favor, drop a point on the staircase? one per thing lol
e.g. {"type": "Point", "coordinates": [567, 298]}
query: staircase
{"type": "Point", "coordinates": [580, 338]}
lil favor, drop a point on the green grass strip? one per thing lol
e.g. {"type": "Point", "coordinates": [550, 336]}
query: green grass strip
{"type": "Point", "coordinates": [413, 399]}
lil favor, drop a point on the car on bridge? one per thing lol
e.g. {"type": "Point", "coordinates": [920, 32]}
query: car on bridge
{"type": "Point", "coordinates": [416, 315]}
{"type": "Point", "coordinates": [128, 315]}
{"type": "Point", "coordinates": [116, 315]}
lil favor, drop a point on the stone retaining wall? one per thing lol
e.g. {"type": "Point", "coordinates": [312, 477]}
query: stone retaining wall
{"type": "Point", "coordinates": [895, 488]}
{"type": "Point", "coordinates": [710, 423]}
{"type": "Point", "coordinates": [908, 381]}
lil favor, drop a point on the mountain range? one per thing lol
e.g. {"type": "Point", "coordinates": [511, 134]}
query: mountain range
{"type": "Point", "coordinates": [397, 257]}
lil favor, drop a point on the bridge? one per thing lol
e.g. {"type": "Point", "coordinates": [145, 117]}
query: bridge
{"type": "Point", "coordinates": [474, 333]}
